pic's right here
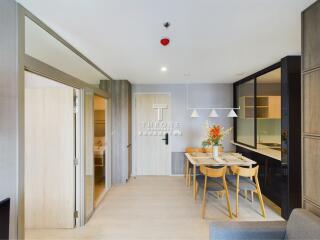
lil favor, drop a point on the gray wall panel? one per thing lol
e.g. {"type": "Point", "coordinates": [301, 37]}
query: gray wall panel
{"type": "Point", "coordinates": [9, 109]}
{"type": "Point", "coordinates": [177, 163]}
{"type": "Point", "coordinates": [121, 122]}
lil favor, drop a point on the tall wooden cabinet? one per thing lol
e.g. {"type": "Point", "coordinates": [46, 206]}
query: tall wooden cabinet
{"type": "Point", "coordinates": [311, 107]}
{"type": "Point", "coordinates": [121, 152]}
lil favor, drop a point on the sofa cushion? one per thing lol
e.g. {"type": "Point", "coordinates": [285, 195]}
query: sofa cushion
{"type": "Point", "coordinates": [303, 225]}
{"type": "Point", "coordinates": [274, 230]}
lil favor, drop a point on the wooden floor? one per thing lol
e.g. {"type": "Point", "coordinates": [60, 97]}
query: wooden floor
{"type": "Point", "coordinates": [99, 189]}
{"type": "Point", "coordinates": [152, 207]}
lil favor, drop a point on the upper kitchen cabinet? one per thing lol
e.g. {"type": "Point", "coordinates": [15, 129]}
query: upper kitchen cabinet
{"type": "Point", "coordinates": [269, 96]}
{"type": "Point", "coordinates": [259, 99]}
{"type": "Point", "coordinates": [311, 37]}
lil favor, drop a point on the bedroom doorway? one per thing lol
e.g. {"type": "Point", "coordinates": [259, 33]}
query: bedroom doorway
{"type": "Point", "coordinates": [100, 149]}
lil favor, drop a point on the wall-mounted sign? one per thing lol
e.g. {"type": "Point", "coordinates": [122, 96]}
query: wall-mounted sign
{"type": "Point", "coordinates": [160, 127]}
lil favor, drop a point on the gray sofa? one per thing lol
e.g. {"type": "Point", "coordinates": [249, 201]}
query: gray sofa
{"type": "Point", "coordinates": [301, 225]}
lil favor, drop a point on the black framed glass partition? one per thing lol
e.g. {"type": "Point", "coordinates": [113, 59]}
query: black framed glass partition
{"type": "Point", "coordinates": [268, 95]}
{"type": "Point", "coordinates": [258, 96]}
{"type": "Point", "coordinates": [245, 93]}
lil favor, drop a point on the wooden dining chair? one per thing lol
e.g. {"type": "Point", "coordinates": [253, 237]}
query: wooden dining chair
{"type": "Point", "coordinates": [213, 179]}
{"type": "Point", "coordinates": [242, 180]}
{"type": "Point", "coordinates": [188, 166]}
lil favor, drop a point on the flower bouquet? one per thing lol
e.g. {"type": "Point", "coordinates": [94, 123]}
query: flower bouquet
{"type": "Point", "coordinates": [215, 135]}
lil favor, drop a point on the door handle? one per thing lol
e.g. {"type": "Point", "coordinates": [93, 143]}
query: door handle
{"type": "Point", "coordinates": [166, 138]}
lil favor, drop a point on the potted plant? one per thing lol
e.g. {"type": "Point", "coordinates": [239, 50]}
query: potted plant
{"type": "Point", "coordinates": [215, 135]}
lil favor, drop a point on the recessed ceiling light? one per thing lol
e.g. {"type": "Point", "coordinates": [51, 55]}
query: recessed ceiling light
{"type": "Point", "coordinates": [164, 69]}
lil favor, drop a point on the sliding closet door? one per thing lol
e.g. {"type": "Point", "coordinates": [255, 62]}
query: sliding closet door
{"type": "Point", "coordinates": [49, 154]}
{"type": "Point", "coordinates": [311, 106]}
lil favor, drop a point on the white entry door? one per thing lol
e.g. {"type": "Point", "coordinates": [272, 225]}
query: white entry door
{"type": "Point", "coordinates": [153, 117]}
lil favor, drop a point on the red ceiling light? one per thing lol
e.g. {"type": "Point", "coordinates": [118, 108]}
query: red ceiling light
{"type": "Point", "coordinates": [165, 41]}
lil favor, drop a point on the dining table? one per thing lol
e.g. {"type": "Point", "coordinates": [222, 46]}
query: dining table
{"type": "Point", "coordinates": [225, 159]}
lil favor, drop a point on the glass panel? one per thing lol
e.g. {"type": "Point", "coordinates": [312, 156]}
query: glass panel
{"type": "Point", "coordinates": [41, 45]}
{"type": "Point", "coordinates": [99, 147]}
{"type": "Point", "coordinates": [269, 110]}
{"type": "Point", "coordinates": [89, 167]}
{"type": "Point", "coordinates": [245, 120]}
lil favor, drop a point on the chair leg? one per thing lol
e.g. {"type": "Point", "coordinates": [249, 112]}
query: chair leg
{"type": "Point", "coordinates": [263, 211]}
{"type": "Point", "coordinates": [227, 198]}
{"type": "Point", "coordinates": [204, 198]}
{"type": "Point", "coordinates": [187, 173]}
{"type": "Point", "coordinates": [237, 197]}
{"type": "Point", "coordinates": [222, 194]}
{"type": "Point", "coordinates": [197, 190]}
{"type": "Point", "coordinates": [194, 181]}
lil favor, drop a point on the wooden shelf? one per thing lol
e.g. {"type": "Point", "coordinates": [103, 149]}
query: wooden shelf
{"type": "Point", "coordinates": [257, 106]}
{"type": "Point", "coordinates": [268, 107]}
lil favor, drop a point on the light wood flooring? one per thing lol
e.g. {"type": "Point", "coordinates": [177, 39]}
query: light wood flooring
{"type": "Point", "coordinates": [99, 189]}
{"type": "Point", "coordinates": [152, 207]}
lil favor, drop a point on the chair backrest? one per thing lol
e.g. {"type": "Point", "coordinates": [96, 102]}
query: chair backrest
{"type": "Point", "coordinates": [202, 150]}
{"type": "Point", "coordinates": [245, 172]}
{"type": "Point", "coordinates": [210, 150]}
{"type": "Point", "coordinates": [196, 150]}
{"type": "Point", "coordinates": [213, 172]}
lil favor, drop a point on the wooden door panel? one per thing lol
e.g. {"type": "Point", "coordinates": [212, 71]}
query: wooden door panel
{"type": "Point", "coordinates": [311, 103]}
{"type": "Point", "coordinates": [311, 165]}
{"type": "Point", "coordinates": [153, 156]}
{"type": "Point", "coordinates": [49, 154]}
{"type": "Point", "coordinates": [311, 37]}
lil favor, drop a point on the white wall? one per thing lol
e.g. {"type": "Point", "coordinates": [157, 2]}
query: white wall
{"type": "Point", "coordinates": [200, 95]}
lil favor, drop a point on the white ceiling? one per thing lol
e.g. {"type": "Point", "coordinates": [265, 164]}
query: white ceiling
{"type": "Point", "coordinates": [41, 45]}
{"type": "Point", "coordinates": [212, 41]}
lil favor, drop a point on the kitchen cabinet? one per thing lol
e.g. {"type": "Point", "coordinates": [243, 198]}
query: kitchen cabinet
{"type": "Point", "coordinates": [267, 107]}
{"type": "Point", "coordinates": [274, 107]}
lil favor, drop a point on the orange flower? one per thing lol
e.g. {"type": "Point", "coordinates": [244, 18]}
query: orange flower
{"type": "Point", "coordinates": [215, 132]}
{"type": "Point", "coordinates": [215, 135]}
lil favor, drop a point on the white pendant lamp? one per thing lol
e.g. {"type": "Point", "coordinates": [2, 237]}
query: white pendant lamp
{"type": "Point", "coordinates": [213, 114]}
{"type": "Point", "coordinates": [232, 114]}
{"type": "Point", "coordinates": [194, 114]}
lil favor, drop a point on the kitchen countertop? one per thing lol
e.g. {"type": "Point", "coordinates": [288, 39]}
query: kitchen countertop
{"type": "Point", "coordinates": [276, 154]}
